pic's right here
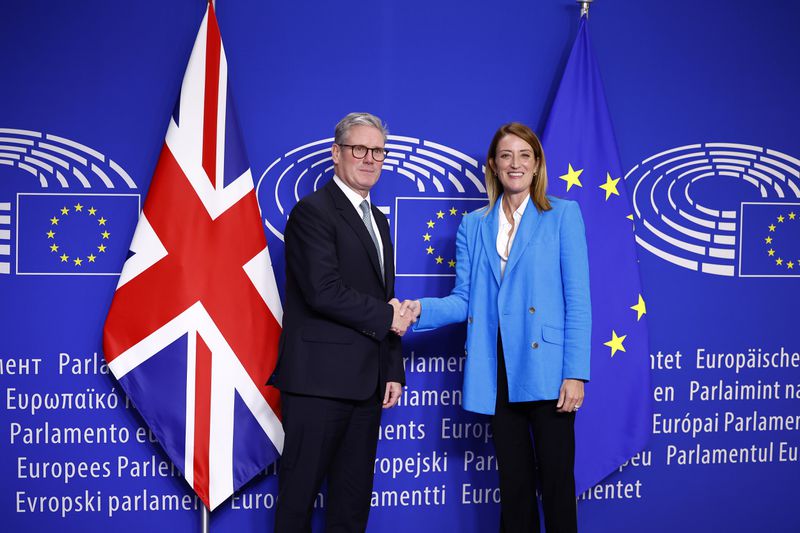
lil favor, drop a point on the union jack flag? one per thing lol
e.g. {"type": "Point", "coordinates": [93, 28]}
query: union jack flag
{"type": "Point", "coordinates": [192, 333]}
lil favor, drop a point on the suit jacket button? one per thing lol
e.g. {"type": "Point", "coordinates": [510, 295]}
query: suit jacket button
{"type": "Point", "coordinates": [534, 345]}
{"type": "Point", "coordinates": [531, 310]}
{"type": "Point", "coordinates": [469, 320]}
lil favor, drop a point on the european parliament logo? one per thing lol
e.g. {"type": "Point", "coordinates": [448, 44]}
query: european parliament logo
{"type": "Point", "coordinates": [425, 189]}
{"type": "Point", "coordinates": [725, 209]}
{"type": "Point", "coordinates": [65, 228]}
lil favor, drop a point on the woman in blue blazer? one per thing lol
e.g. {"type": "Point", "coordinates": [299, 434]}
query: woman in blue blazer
{"type": "Point", "coordinates": [522, 285]}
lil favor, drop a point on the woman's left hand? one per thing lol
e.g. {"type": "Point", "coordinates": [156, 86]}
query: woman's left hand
{"type": "Point", "coordinates": [570, 397]}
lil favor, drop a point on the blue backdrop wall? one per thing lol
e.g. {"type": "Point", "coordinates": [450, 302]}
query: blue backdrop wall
{"type": "Point", "coordinates": [712, 81]}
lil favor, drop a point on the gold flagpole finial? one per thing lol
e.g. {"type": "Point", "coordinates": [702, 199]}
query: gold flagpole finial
{"type": "Point", "coordinates": [585, 7]}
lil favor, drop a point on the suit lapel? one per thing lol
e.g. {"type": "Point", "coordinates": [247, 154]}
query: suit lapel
{"type": "Point", "coordinates": [489, 225]}
{"type": "Point", "coordinates": [527, 227]}
{"type": "Point", "coordinates": [348, 212]}
{"type": "Point", "coordinates": [386, 239]}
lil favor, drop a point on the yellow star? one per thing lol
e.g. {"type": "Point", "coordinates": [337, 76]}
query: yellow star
{"type": "Point", "coordinates": [610, 186]}
{"type": "Point", "coordinates": [64, 211]}
{"type": "Point", "coordinates": [54, 221]}
{"type": "Point", "coordinates": [790, 265]}
{"type": "Point", "coordinates": [463, 213]}
{"type": "Point", "coordinates": [771, 252]}
{"type": "Point", "coordinates": [779, 261]}
{"type": "Point", "coordinates": [571, 177]}
{"type": "Point", "coordinates": [615, 343]}
{"type": "Point", "coordinates": [791, 215]}
{"type": "Point", "coordinates": [431, 223]}
{"type": "Point", "coordinates": [78, 207]}
{"type": "Point", "coordinates": [92, 210]}
{"type": "Point", "coordinates": [102, 248]}
{"type": "Point", "coordinates": [768, 240]}
{"type": "Point", "coordinates": [639, 308]}
{"type": "Point", "coordinates": [105, 234]}
{"type": "Point", "coordinates": [429, 249]}
{"type": "Point", "coordinates": [439, 214]}
{"type": "Point", "coordinates": [451, 263]}
{"type": "Point", "coordinates": [772, 227]}
{"type": "Point", "coordinates": [91, 258]}
{"type": "Point", "coordinates": [426, 237]}
{"type": "Point", "coordinates": [439, 260]}
{"type": "Point", "coordinates": [51, 234]}
{"type": "Point", "coordinates": [101, 221]}
{"type": "Point", "coordinates": [780, 218]}
{"type": "Point", "coordinates": [453, 211]}
{"type": "Point", "coordinates": [64, 258]}
{"type": "Point", "coordinates": [630, 217]}
{"type": "Point", "coordinates": [78, 261]}
{"type": "Point", "coordinates": [53, 247]}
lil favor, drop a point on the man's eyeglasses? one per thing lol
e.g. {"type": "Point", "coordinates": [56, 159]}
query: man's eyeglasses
{"type": "Point", "coordinates": [360, 151]}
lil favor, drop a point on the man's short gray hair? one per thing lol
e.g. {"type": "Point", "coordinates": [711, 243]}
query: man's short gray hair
{"type": "Point", "coordinates": [358, 119]}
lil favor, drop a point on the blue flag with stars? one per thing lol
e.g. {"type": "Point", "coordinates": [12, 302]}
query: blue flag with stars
{"type": "Point", "coordinates": [424, 230]}
{"type": "Point", "coordinates": [583, 165]}
{"type": "Point", "coordinates": [769, 240]}
{"type": "Point", "coordinates": [74, 234]}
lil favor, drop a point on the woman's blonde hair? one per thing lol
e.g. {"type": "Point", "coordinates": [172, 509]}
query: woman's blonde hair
{"type": "Point", "coordinates": [539, 184]}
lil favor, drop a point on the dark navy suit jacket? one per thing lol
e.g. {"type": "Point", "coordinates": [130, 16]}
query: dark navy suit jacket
{"type": "Point", "coordinates": [336, 340]}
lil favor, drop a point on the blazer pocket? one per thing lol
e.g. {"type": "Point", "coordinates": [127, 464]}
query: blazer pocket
{"type": "Point", "coordinates": [329, 334]}
{"type": "Point", "coordinates": [553, 335]}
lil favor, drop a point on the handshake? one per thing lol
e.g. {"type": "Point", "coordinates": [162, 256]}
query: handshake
{"type": "Point", "coordinates": [405, 314]}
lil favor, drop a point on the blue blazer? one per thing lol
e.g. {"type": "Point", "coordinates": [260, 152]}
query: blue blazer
{"type": "Point", "coordinates": [541, 305]}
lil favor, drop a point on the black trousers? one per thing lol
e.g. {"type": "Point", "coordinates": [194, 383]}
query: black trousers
{"type": "Point", "coordinates": [550, 459]}
{"type": "Point", "coordinates": [326, 437]}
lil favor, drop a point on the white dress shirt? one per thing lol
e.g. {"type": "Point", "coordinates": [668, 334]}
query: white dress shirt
{"type": "Point", "coordinates": [505, 233]}
{"type": "Point", "coordinates": [356, 200]}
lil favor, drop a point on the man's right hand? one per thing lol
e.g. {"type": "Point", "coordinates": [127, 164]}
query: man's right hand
{"type": "Point", "coordinates": [412, 307]}
{"type": "Point", "coordinates": [400, 323]}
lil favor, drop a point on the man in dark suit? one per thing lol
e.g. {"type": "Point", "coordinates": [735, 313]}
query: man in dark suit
{"type": "Point", "coordinates": [340, 358]}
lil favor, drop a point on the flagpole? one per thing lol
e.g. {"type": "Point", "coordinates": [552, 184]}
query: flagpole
{"type": "Point", "coordinates": [204, 520]}
{"type": "Point", "coordinates": [585, 6]}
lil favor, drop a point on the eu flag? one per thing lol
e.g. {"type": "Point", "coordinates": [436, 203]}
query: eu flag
{"type": "Point", "coordinates": [583, 165]}
{"type": "Point", "coordinates": [74, 234]}
{"type": "Point", "coordinates": [425, 231]}
{"type": "Point", "coordinates": [770, 233]}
